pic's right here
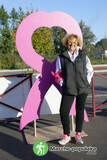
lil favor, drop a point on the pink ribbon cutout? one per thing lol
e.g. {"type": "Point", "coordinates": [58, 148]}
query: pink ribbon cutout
{"type": "Point", "coordinates": [30, 57]}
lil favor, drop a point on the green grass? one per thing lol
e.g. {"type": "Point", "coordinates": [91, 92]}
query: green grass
{"type": "Point", "coordinates": [19, 64]}
{"type": "Point", "coordinates": [95, 61]}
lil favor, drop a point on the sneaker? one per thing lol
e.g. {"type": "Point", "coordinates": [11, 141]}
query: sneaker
{"type": "Point", "coordinates": [78, 139]}
{"type": "Point", "coordinates": [64, 140]}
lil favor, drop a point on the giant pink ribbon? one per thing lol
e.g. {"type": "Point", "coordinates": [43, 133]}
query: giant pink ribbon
{"type": "Point", "coordinates": [30, 57]}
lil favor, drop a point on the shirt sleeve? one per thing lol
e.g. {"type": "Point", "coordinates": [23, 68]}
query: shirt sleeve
{"type": "Point", "coordinates": [89, 69]}
{"type": "Point", "coordinates": [58, 65]}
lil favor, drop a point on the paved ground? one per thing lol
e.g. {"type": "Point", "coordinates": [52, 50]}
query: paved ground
{"type": "Point", "coordinates": [13, 145]}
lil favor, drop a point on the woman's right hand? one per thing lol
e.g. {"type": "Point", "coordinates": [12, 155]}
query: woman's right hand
{"type": "Point", "coordinates": [58, 78]}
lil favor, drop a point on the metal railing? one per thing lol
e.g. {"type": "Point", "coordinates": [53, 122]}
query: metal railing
{"type": "Point", "coordinates": [28, 76]}
{"type": "Point", "coordinates": [96, 109]}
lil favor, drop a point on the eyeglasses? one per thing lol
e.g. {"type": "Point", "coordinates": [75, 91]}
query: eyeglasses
{"type": "Point", "coordinates": [70, 42]}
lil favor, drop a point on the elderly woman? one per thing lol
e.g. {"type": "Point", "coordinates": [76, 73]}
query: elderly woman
{"type": "Point", "coordinates": [75, 73]}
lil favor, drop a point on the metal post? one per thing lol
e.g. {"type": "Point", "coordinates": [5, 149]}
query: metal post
{"type": "Point", "coordinates": [93, 95]}
{"type": "Point", "coordinates": [30, 80]}
{"type": "Point", "coordinates": [102, 57]}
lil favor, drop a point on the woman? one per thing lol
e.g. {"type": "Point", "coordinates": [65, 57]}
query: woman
{"type": "Point", "coordinates": [76, 72]}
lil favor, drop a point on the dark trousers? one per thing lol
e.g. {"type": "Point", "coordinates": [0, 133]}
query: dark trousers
{"type": "Point", "coordinates": [66, 103]}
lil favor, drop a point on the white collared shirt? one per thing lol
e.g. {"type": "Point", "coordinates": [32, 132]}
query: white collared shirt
{"type": "Point", "coordinates": [89, 69]}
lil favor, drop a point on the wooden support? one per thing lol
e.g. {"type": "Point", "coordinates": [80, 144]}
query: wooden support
{"type": "Point", "coordinates": [35, 134]}
{"type": "Point", "coordinates": [72, 123]}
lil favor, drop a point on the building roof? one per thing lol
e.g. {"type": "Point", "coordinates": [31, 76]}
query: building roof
{"type": "Point", "coordinates": [97, 54]}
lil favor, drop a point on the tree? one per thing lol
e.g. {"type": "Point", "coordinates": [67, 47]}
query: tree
{"type": "Point", "coordinates": [28, 12]}
{"type": "Point", "coordinates": [14, 26]}
{"type": "Point", "coordinates": [58, 34]}
{"type": "Point", "coordinates": [42, 41]}
{"type": "Point", "coordinates": [21, 15]}
{"type": "Point", "coordinates": [3, 17]}
{"type": "Point", "coordinates": [102, 43]}
{"type": "Point", "coordinates": [6, 44]}
{"type": "Point", "coordinates": [5, 36]}
{"type": "Point", "coordinates": [88, 37]}
{"type": "Point", "coordinates": [14, 17]}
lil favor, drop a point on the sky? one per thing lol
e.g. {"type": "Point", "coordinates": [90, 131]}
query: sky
{"type": "Point", "coordinates": [92, 12]}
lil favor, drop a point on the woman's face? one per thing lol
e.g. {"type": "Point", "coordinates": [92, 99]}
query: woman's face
{"type": "Point", "coordinates": [72, 45]}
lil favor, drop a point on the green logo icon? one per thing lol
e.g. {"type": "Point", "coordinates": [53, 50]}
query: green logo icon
{"type": "Point", "coordinates": [40, 148]}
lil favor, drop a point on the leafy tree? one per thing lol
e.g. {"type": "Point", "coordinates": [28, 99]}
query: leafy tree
{"type": "Point", "coordinates": [58, 34]}
{"type": "Point", "coordinates": [14, 17]}
{"type": "Point", "coordinates": [29, 11]}
{"type": "Point", "coordinates": [42, 41]}
{"type": "Point", "coordinates": [6, 41]}
{"type": "Point", "coordinates": [45, 41]}
{"type": "Point", "coordinates": [88, 37]}
{"type": "Point", "coordinates": [3, 17]}
{"type": "Point", "coordinates": [102, 43]}
{"type": "Point", "coordinates": [7, 61]}
{"type": "Point", "coordinates": [21, 15]}
{"type": "Point", "coordinates": [14, 26]}
{"type": "Point", "coordinates": [5, 37]}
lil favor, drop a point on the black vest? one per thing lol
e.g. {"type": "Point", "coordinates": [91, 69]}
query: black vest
{"type": "Point", "coordinates": [74, 74]}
